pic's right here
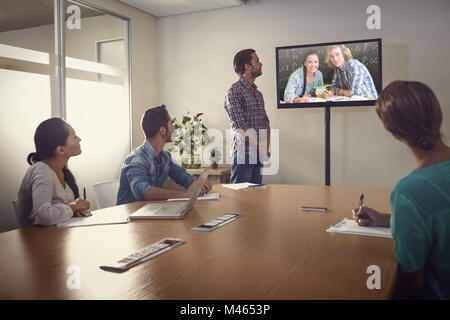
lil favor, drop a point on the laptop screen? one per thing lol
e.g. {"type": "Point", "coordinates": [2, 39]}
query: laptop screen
{"type": "Point", "coordinates": [199, 183]}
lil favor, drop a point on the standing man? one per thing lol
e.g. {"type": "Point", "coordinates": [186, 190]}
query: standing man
{"type": "Point", "coordinates": [146, 169]}
{"type": "Point", "coordinates": [245, 108]}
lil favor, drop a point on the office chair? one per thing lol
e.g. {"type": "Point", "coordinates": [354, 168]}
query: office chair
{"type": "Point", "coordinates": [21, 221]}
{"type": "Point", "coordinates": [106, 193]}
{"type": "Point", "coordinates": [16, 210]}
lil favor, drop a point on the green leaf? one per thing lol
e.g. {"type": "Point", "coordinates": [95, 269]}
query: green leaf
{"type": "Point", "coordinates": [186, 119]}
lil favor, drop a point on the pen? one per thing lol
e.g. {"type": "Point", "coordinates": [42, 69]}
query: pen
{"type": "Point", "coordinates": [361, 204]}
{"type": "Point", "coordinates": [256, 185]}
{"type": "Point", "coordinates": [84, 193]}
{"type": "Point", "coordinates": [361, 201]}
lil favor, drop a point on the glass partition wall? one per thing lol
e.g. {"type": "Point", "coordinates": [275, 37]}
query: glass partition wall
{"type": "Point", "coordinates": [67, 59]}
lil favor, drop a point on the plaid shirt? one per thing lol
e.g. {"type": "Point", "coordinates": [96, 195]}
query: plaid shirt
{"type": "Point", "coordinates": [358, 77]}
{"type": "Point", "coordinates": [245, 107]}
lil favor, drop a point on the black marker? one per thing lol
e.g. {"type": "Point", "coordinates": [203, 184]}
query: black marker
{"type": "Point", "coordinates": [84, 193]}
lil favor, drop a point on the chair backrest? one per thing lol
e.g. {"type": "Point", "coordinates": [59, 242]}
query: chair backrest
{"type": "Point", "coordinates": [14, 203]}
{"type": "Point", "coordinates": [106, 193]}
{"type": "Point", "coordinates": [22, 221]}
{"type": "Point", "coordinates": [16, 210]}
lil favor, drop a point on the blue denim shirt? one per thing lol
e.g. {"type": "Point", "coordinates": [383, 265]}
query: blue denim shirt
{"type": "Point", "coordinates": [141, 171]}
{"type": "Point", "coordinates": [294, 86]}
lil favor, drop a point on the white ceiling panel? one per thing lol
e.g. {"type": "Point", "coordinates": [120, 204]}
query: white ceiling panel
{"type": "Point", "coordinates": [164, 8]}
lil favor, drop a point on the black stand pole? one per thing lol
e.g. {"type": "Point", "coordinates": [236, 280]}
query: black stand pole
{"type": "Point", "coordinates": [327, 145]}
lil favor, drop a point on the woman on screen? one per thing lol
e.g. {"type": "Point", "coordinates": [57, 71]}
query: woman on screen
{"type": "Point", "coordinates": [420, 202]}
{"type": "Point", "coordinates": [49, 194]}
{"type": "Point", "coordinates": [351, 77]}
{"type": "Point", "coordinates": [302, 81]}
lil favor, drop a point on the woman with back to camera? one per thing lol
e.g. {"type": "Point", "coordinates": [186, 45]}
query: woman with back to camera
{"type": "Point", "coordinates": [302, 81]}
{"type": "Point", "coordinates": [420, 202]}
{"type": "Point", "coordinates": [49, 194]}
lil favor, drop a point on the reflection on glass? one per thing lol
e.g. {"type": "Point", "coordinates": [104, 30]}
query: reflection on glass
{"type": "Point", "coordinates": [26, 84]}
{"type": "Point", "coordinates": [97, 94]}
{"type": "Point", "coordinates": [97, 89]}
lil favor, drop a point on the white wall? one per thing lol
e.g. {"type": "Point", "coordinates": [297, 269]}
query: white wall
{"type": "Point", "coordinates": [195, 71]}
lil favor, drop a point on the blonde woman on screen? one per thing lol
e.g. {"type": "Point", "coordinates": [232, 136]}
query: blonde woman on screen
{"type": "Point", "coordinates": [350, 77]}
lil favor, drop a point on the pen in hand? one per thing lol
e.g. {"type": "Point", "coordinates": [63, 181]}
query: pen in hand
{"type": "Point", "coordinates": [86, 213]}
{"type": "Point", "coordinates": [257, 185]}
{"type": "Point", "coordinates": [361, 204]}
{"type": "Point", "coordinates": [361, 201]}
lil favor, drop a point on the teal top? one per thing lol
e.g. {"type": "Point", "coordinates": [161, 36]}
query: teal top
{"type": "Point", "coordinates": [420, 225]}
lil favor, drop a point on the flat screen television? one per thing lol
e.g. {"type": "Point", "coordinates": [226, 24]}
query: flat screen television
{"type": "Point", "coordinates": [345, 73]}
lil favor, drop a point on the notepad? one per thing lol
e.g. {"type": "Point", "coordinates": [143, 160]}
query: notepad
{"type": "Point", "coordinates": [97, 218]}
{"type": "Point", "coordinates": [238, 186]}
{"type": "Point", "coordinates": [208, 196]}
{"type": "Point", "coordinates": [350, 226]}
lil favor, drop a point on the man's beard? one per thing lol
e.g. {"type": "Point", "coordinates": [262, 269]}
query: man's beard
{"type": "Point", "coordinates": [167, 137]}
{"type": "Point", "coordinates": [256, 74]}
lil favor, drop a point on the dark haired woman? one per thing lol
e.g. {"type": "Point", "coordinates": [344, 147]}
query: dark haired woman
{"type": "Point", "coordinates": [420, 202]}
{"type": "Point", "coordinates": [302, 81]}
{"type": "Point", "coordinates": [49, 194]}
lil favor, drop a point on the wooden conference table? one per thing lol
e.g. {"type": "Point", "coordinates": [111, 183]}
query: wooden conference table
{"type": "Point", "coordinates": [275, 251]}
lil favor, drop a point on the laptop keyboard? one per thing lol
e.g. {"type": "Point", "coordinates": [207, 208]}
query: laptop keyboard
{"type": "Point", "coordinates": [175, 209]}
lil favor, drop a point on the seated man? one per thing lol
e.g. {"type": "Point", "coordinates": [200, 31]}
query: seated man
{"type": "Point", "coordinates": [146, 169]}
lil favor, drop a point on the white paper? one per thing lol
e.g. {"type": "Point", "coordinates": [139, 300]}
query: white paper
{"type": "Point", "coordinates": [208, 196]}
{"type": "Point", "coordinates": [350, 226]}
{"type": "Point", "coordinates": [97, 218]}
{"type": "Point", "coordinates": [238, 186]}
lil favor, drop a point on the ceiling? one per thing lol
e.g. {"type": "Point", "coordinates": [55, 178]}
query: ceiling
{"type": "Point", "coordinates": [164, 8]}
{"type": "Point", "coordinates": [22, 14]}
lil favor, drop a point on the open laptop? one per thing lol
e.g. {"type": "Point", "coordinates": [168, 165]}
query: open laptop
{"type": "Point", "coordinates": [171, 210]}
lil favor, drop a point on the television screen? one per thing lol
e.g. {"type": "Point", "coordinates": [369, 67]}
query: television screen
{"type": "Point", "coordinates": [346, 73]}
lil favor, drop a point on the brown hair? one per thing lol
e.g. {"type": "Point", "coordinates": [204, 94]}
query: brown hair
{"type": "Point", "coordinates": [345, 52]}
{"type": "Point", "coordinates": [153, 119]}
{"type": "Point", "coordinates": [309, 53]}
{"type": "Point", "coordinates": [410, 111]}
{"type": "Point", "coordinates": [242, 58]}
